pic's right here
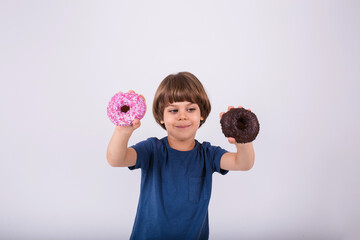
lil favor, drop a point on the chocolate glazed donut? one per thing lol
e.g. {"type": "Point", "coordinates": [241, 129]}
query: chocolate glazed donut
{"type": "Point", "coordinates": [240, 124]}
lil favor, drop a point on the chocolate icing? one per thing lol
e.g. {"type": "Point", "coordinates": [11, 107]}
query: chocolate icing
{"type": "Point", "coordinates": [240, 124]}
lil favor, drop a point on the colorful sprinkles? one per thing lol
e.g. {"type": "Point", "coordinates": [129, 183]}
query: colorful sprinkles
{"type": "Point", "coordinates": [123, 108]}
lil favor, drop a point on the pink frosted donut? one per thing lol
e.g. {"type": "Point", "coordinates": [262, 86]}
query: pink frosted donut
{"type": "Point", "coordinates": [123, 108]}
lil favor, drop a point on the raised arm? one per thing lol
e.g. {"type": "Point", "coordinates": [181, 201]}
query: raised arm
{"type": "Point", "coordinates": [118, 153]}
{"type": "Point", "coordinates": [244, 157]}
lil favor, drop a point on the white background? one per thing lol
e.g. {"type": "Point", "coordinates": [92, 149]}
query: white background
{"type": "Point", "coordinates": [295, 64]}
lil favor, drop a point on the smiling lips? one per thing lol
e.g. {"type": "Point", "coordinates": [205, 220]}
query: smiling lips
{"type": "Point", "coordinates": [183, 126]}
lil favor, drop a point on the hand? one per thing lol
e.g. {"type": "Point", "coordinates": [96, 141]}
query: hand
{"type": "Point", "coordinates": [230, 139]}
{"type": "Point", "coordinates": [129, 129]}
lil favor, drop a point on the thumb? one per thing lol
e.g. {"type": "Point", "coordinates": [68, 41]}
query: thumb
{"type": "Point", "coordinates": [136, 123]}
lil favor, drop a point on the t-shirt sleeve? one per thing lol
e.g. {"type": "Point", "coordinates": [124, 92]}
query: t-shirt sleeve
{"type": "Point", "coordinates": [144, 152]}
{"type": "Point", "coordinates": [216, 154]}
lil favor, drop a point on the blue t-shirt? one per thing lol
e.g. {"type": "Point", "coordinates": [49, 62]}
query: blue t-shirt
{"type": "Point", "coordinates": [175, 189]}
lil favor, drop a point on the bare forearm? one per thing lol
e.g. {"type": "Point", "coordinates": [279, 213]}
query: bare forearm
{"type": "Point", "coordinates": [117, 148]}
{"type": "Point", "coordinates": [245, 156]}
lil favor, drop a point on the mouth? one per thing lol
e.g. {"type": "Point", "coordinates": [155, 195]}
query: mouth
{"type": "Point", "coordinates": [183, 126]}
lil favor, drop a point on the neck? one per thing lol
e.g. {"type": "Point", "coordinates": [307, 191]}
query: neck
{"type": "Point", "coordinates": [181, 145]}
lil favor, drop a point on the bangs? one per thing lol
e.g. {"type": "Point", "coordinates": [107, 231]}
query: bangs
{"type": "Point", "coordinates": [178, 89]}
{"type": "Point", "coordinates": [181, 87]}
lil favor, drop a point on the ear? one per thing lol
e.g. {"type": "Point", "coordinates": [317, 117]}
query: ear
{"type": "Point", "coordinates": [162, 122]}
{"type": "Point", "coordinates": [202, 119]}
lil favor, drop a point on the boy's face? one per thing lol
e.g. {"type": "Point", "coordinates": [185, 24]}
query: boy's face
{"type": "Point", "coordinates": [182, 120]}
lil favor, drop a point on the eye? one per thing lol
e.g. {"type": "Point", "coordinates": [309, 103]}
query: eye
{"type": "Point", "coordinates": [173, 111]}
{"type": "Point", "coordinates": [191, 109]}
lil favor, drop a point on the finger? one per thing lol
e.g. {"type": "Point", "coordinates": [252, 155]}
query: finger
{"type": "Point", "coordinates": [136, 123]}
{"type": "Point", "coordinates": [142, 97]}
{"type": "Point", "coordinates": [221, 114]}
{"type": "Point", "coordinates": [249, 109]}
{"type": "Point", "coordinates": [131, 91]}
{"type": "Point", "coordinates": [240, 107]}
{"type": "Point", "coordinates": [120, 92]}
{"type": "Point", "coordinates": [230, 107]}
{"type": "Point", "coordinates": [231, 140]}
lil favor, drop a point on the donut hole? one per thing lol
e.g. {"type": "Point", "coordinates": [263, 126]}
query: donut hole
{"type": "Point", "coordinates": [124, 108]}
{"type": "Point", "coordinates": [241, 123]}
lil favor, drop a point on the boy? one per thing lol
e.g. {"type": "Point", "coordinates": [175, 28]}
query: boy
{"type": "Point", "coordinates": [176, 170]}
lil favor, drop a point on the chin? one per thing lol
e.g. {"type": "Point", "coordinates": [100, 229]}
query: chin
{"type": "Point", "coordinates": [183, 137]}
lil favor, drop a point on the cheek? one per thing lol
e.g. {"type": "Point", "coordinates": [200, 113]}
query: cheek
{"type": "Point", "coordinates": [167, 120]}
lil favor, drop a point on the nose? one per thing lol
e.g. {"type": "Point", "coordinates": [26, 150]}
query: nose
{"type": "Point", "coordinates": [182, 115]}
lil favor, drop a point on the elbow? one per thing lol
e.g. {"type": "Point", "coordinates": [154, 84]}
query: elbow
{"type": "Point", "coordinates": [115, 162]}
{"type": "Point", "coordinates": [111, 163]}
{"type": "Point", "coordinates": [248, 166]}
{"type": "Point", "coordinates": [252, 164]}
{"type": "Point", "coordinates": [110, 160]}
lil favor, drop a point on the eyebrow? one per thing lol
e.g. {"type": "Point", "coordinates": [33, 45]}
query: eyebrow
{"type": "Point", "coordinates": [172, 105]}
